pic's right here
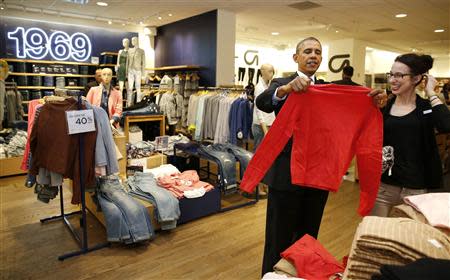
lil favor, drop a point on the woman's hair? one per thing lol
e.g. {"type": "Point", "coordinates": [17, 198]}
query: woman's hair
{"type": "Point", "coordinates": [418, 63]}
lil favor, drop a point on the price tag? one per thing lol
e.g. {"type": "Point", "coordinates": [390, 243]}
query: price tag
{"type": "Point", "coordinates": [162, 143]}
{"type": "Point", "coordinates": [80, 121]}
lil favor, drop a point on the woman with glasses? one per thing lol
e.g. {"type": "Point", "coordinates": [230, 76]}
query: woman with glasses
{"type": "Point", "coordinates": [409, 127]}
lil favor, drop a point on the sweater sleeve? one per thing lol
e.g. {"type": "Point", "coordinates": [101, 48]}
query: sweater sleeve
{"type": "Point", "coordinates": [271, 146]}
{"type": "Point", "coordinates": [368, 155]}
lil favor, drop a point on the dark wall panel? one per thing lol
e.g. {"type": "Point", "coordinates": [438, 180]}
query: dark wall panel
{"type": "Point", "coordinates": [190, 41]}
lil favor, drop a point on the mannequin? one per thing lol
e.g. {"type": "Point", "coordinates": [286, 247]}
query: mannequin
{"type": "Point", "coordinates": [107, 97]}
{"type": "Point", "coordinates": [136, 66]}
{"type": "Point", "coordinates": [4, 72]}
{"type": "Point", "coordinates": [121, 67]}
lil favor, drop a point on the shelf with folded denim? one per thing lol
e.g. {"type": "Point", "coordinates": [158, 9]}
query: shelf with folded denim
{"type": "Point", "coordinates": [50, 75]}
{"type": "Point", "coordinates": [48, 61]}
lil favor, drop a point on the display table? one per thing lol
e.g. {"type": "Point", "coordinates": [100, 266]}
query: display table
{"type": "Point", "coordinates": [146, 118]}
{"type": "Point", "coordinates": [11, 166]}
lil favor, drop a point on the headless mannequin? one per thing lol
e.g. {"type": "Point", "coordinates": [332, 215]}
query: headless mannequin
{"type": "Point", "coordinates": [135, 66]}
{"type": "Point", "coordinates": [122, 60]}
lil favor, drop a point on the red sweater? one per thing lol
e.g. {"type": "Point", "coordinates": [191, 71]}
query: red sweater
{"type": "Point", "coordinates": [329, 125]}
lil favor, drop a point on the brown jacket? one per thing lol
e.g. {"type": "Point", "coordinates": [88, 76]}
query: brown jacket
{"type": "Point", "coordinates": [57, 151]}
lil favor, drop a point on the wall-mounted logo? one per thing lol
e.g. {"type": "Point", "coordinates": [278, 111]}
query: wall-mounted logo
{"type": "Point", "coordinates": [344, 63]}
{"type": "Point", "coordinates": [35, 43]}
{"type": "Point", "coordinates": [251, 56]}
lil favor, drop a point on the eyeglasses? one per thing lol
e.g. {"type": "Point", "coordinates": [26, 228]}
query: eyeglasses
{"type": "Point", "coordinates": [397, 75]}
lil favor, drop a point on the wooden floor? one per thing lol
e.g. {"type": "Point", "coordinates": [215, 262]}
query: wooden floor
{"type": "Point", "coordinates": [223, 246]}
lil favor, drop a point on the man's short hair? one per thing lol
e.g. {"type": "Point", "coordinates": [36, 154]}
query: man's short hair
{"type": "Point", "coordinates": [300, 44]}
{"type": "Point", "coordinates": [348, 70]}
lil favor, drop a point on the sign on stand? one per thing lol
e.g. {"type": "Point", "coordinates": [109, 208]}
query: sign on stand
{"type": "Point", "coordinates": [162, 143]}
{"type": "Point", "coordinates": [80, 121]}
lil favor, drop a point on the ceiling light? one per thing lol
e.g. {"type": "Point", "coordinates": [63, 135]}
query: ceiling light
{"type": "Point", "coordinates": [170, 15]}
{"type": "Point", "coordinates": [2, 6]}
{"type": "Point", "coordinates": [275, 33]}
{"type": "Point", "coordinates": [160, 18]}
{"type": "Point", "coordinates": [109, 22]}
{"type": "Point", "coordinates": [337, 31]}
{"type": "Point", "coordinates": [123, 24]}
{"type": "Point", "coordinates": [103, 4]}
{"type": "Point", "coordinates": [439, 30]}
{"type": "Point", "coordinates": [141, 23]}
{"type": "Point", "coordinates": [401, 15]}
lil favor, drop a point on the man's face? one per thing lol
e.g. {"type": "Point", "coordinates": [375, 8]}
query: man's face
{"type": "Point", "coordinates": [106, 76]}
{"type": "Point", "coordinates": [309, 57]}
{"type": "Point", "coordinates": [98, 76]}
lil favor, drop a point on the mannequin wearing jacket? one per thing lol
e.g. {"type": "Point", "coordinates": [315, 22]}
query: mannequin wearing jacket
{"type": "Point", "coordinates": [122, 61]}
{"type": "Point", "coordinates": [107, 97]}
{"type": "Point", "coordinates": [292, 210]}
{"type": "Point", "coordinates": [136, 67]}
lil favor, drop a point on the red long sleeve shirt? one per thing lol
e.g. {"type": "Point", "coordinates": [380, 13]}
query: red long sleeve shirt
{"type": "Point", "coordinates": [329, 125]}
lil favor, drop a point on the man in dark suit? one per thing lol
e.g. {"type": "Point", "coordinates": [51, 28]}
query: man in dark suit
{"type": "Point", "coordinates": [292, 210]}
{"type": "Point", "coordinates": [347, 74]}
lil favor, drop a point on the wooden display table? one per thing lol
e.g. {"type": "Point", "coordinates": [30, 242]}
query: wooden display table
{"type": "Point", "coordinates": [11, 166]}
{"type": "Point", "coordinates": [147, 118]}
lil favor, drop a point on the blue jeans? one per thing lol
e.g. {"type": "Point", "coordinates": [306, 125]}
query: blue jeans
{"type": "Point", "coordinates": [135, 214]}
{"type": "Point", "coordinates": [143, 185]}
{"type": "Point", "coordinates": [116, 227]}
{"type": "Point", "coordinates": [258, 135]}
{"type": "Point", "coordinates": [242, 155]}
{"type": "Point", "coordinates": [226, 163]}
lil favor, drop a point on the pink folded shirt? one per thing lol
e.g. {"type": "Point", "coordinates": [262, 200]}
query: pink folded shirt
{"type": "Point", "coordinates": [434, 206]}
{"type": "Point", "coordinates": [178, 183]}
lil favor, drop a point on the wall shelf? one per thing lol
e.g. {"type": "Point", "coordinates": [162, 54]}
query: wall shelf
{"type": "Point", "coordinates": [50, 75]}
{"type": "Point", "coordinates": [107, 65]}
{"type": "Point", "coordinates": [40, 87]}
{"type": "Point", "coordinates": [176, 67]}
{"type": "Point", "coordinates": [48, 61]}
{"type": "Point", "coordinates": [109, 53]}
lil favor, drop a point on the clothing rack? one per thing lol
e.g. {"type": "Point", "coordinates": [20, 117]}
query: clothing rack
{"type": "Point", "coordinates": [81, 240]}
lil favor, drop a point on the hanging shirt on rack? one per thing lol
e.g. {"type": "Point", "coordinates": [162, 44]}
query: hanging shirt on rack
{"type": "Point", "coordinates": [55, 150]}
{"type": "Point", "coordinates": [329, 124]}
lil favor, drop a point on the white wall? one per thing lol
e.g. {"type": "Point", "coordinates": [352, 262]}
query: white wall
{"type": "Point", "coordinates": [441, 67]}
{"type": "Point", "coordinates": [226, 38]}
{"type": "Point", "coordinates": [281, 59]}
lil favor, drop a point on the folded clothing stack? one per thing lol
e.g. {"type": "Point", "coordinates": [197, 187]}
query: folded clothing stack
{"type": "Point", "coordinates": [393, 241]}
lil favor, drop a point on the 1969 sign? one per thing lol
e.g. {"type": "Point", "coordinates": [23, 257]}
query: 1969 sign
{"type": "Point", "coordinates": [35, 43]}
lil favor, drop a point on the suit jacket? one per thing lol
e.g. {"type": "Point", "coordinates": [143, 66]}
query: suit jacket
{"type": "Point", "coordinates": [279, 175]}
{"type": "Point", "coordinates": [115, 104]}
{"type": "Point", "coordinates": [345, 82]}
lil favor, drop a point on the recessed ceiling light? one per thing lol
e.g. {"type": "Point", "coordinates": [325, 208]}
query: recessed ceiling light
{"type": "Point", "coordinates": [160, 18]}
{"type": "Point", "coordinates": [109, 22]}
{"type": "Point", "coordinates": [439, 30]}
{"type": "Point", "coordinates": [337, 31]}
{"type": "Point", "coordinates": [275, 33]}
{"type": "Point", "coordinates": [141, 23]}
{"type": "Point", "coordinates": [170, 15]}
{"type": "Point", "coordinates": [123, 24]}
{"type": "Point", "coordinates": [103, 4]}
{"type": "Point", "coordinates": [401, 15]}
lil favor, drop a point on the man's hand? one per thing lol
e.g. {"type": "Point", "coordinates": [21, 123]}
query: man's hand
{"type": "Point", "coordinates": [299, 84]}
{"type": "Point", "coordinates": [379, 97]}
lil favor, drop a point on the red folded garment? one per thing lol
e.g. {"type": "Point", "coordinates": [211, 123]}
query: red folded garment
{"type": "Point", "coordinates": [311, 260]}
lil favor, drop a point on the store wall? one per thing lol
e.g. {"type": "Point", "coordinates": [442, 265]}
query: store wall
{"type": "Point", "coordinates": [192, 41]}
{"type": "Point", "coordinates": [226, 38]}
{"type": "Point", "coordinates": [350, 50]}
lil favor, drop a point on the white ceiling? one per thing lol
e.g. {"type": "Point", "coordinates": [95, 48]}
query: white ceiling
{"type": "Point", "coordinates": [257, 19]}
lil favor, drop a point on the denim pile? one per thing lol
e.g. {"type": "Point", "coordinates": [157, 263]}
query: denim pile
{"type": "Point", "coordinates": [127, 220]}
{"type": "Point", "coordinates": [140, 149]}
{"type": "Point", "coordinates": [167, 209]}
{"type": "Point", "coordinates": [225, 156]}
